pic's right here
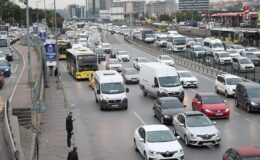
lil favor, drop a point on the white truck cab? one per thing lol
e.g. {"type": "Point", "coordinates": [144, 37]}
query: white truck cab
{"type": "Point", "coordinates": [159, 79]}
{"type": "Point", "coordinates": [110, 90]}
{"type": "Point", "coordinates": [161, 40]}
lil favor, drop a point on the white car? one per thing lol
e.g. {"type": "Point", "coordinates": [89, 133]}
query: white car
{"type": "Point", "coordinates": [157, 142]}
{"type": "Point", "coordinates": [188, 79]}
{"type": "Point", "coordinates": [196, 129]}
{"type": "Point", "coordinates": [106, 47]}
{"type": "Point", "coordinates": [253, 50]}
{"type": "Point", "coordinates": [166, 60]}
{"type": "Point", "coordinates": [243, 64]}
{"type": "Point", "coordinates": [122, 56]}
{"type": "Point", "coordinates": [222, 57]}
{"type": "Point", "coordinates": [233, 53]}
{"type": "Point", "coordinates": [114, 64]}
{"type": "Point", "coordinates": [226, 84]}
{"type": "Point", "coordinates": [139, 61]}
{"type": "Point", "coordinates": [239, 48]}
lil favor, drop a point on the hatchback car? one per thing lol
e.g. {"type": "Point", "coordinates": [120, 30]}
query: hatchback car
{"type": "Point", "coordinates": [226, 84]}
{"type": "Point", "coordinates": [165, 59]}
{"type": "Point", "coordinates": [157, 142]}
{"type": "Point", "coordinates": [222, 57]}
{"type": "Point", "coordinates": [253, 50]}
{"type": "Point", "coordinates": [253, 58]}
{"type": "Point", "coordinates": [139, 61]}
{"type": "Point", "coordinates": [243, 64]}
{"type": "Point", "coordinates": [196, 129]}
{"type": "Point", "coordinates": [188, 79]}
{"type": "Point", "coordinates": [114, 64]}
{"type": "Point", "coordinates": [242, 153]}
{"type": "Point", "coordinates": [122, 56]}
{"type": "Point", "coordinates": [5, 67]}
{"type": "Point", "coordinates": [2, 79]}
{"type": "Point", "coordinates": [210, 104]}
{"type": "Point", "coordinates": [166, 107]}
{"type": "Point", "coordinates": [130, 75]}
{"type": "Point", "coordinates": [197, 51]}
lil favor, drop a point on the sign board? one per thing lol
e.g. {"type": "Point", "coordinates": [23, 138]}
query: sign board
{"type": "Point", "coordinates": [50, 53]}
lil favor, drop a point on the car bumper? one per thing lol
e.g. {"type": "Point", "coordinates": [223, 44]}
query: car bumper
{"type": "Point", "coordinates": [136, 80]}
{"type": "Point", "coordinates": [161, 157]}
{"type": "Point", "coordinates": [217, 114]}
{"type": "Point", "coordinates": [180, 95]}
{"type": "Point", "coordinates": [190, 84]}
{"type": "Point", "coordinates": [116, 104]}
{"type": "Point", "coordinates": [198, 142]}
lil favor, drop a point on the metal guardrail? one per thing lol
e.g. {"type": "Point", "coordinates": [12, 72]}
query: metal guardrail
{"type": "Point", "coordinates": [8, 133]}
{"type": "Point", "coordinates": [207, 70]}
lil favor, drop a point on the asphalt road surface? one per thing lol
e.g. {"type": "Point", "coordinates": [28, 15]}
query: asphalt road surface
{"type": "Point", "coordinates": [109, 134]}
{"type": "Point", "coordinates": [6, 92]}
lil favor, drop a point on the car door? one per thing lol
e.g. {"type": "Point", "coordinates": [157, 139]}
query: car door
{"type": "Point", "coordinates": [140, 142]}
{"type": "Point", "coordinates": [243, 99]}
{"type": "Point", "coordinates": [222, 85]}
{"type": "Point", "coordinates": [235, 63]}
{"type": "Point", "coordinates": [197, 102]}
{"type": "Point", "coordinates": [179, 125]}
{"type": "Point", "coordinates": [156, 108]}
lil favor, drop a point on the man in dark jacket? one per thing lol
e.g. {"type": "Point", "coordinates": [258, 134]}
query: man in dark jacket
{"type": "Point", "coordinates": [73, 155]}
{"type": "Point", "coordinates": [69, 128]}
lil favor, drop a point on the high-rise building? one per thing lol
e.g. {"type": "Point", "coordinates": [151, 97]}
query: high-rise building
{"type": "Point", "coordinates": [157, 8]}
{"type": "Point", "coordinates": [193, 5]}
{"type": "Point", "coordinates": [93, 7]}
{"type": "Point", "coordinates": [105, 4]}
{"type": "Point", "coordinates": [76, 11]}
{"type": "Point", "coordinates": [131, 6]}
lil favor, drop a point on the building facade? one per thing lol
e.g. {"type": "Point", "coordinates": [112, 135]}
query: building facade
{"type": "Point", "coordinates": [194, 5]}
{"type": "Point", "coordinates": [76, 11]}
{"type": "Point", "coordinates": [155, 8]}
{"type": "Point", "coordinates": [131, 6]}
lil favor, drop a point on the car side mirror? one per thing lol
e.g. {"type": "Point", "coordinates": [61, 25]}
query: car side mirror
{"type": "Point", "coordinates": [141, 140]}
{"type": "Point", "coordinates": [185, 106]}
{"type": "Point", "coordinates": [127, 90]}
{"type": "Point", "coordinates": [98, 91]}
{"type": "Point", "coordinates": [181, 124]}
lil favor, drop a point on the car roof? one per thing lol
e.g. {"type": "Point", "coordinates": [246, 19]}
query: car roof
{"type": "Point", "coordinates": [247, 150]}
{"type": "Point", "coordinates": [229, 76]}
{"type": "Point", "coordinates": [162, 99]}
{"type": "Point", "coordinates": [192, 113]}
{"type": "Point", "coordinates": [155, 127]}
{"type": "Point", "coordinates": [207, 93]}
{"type": "Point", "coordinates": [249, 84]}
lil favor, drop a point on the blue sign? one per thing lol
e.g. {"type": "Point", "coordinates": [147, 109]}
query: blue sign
{"type": "Point", "coordinates": [42, 36]}
{"type": "Point", "coordinates": [50, 52]}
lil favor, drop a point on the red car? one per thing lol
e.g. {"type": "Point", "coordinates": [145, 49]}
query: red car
{"type": "Point", "coordinates": [210, 104]}
{"type": "Point", "coordinates": [242, 153]}
{"type": "Point", "coordinates": [2, 79]}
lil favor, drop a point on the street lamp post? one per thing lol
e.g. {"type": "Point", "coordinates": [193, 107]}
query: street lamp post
{"type": "Point", "coordinates": [45, 16]}
{"type": "Point", "coordinates": [37, 11]}
{"type": "Point", "coordinates": [28, 44]}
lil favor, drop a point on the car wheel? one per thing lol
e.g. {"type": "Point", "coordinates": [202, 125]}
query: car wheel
{"type": "Point", "coordinates": [145, 156]}
{"type": "Point", "coordinates": [135, 147]}
{"type": "Point", "coordinates": [217, 145]}
{"type": "Point", "coordinates": [236, 103]}
{"type": "Point", "coordinates": [101, 108]}
{"type": "Point", "coordinates": [226, 94]}
{"type": "Point", "coordinates": [216, 89]}
{"type": "Point", "coordinates": [174, 130]}
{"type": "Point", "coordinates": [193, 108]}
{"type": "Point", "coordinates": [162, 120]}
{"type": "Point", "coordinates": [248, 108]}
{"type": "Point", "coordinates": [144, 93]}
{"type": "Point", "coordinates": [186, 141]}
{"type": "Point", "coordinates": [154, 113]}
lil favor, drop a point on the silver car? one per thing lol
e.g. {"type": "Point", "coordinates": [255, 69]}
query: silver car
{"type": "Point", "coordinates": [130, 75]}
{"type": "Point", "coordinates": [196, 129]}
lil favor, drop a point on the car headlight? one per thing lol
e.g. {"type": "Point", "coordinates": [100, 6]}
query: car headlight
{"type": "Point", "coordinates": [7, 69]}
{"type": "Point", "coordinates": [152, 153]}
{"type": "Point", "coordinates": [227, 110]}
{"type": "Point", "coordinates": [104, 98]}
{"type": "Point", "coordinates": [253, 104]}
{"type": "Point", "coordinates": [180, 151]}
{"type": "Point", "coordinates": [193, 136]}
{"type": "Point", "coordinates": [217, 134]}
{"type": "Point", "coordinates": [207, 110]}
{"type": "Point", "coordinates": [123, 97]}
{"type": "Point", "coordinates": [166, 116]}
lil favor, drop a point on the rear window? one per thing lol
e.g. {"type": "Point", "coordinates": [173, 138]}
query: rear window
{"type": "Point", "coordinates": [212, 100]}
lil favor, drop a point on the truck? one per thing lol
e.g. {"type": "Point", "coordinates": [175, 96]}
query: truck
{"type": "Point", "coordinates": [147, 35]}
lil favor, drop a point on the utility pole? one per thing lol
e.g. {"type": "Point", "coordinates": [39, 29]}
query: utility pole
{"type": "Point", "coordinates": [13, 12]}
{"type": "Point", "coordinates": [45, 16]}
{"type": "Point", "coordinates": [28, 43]}
{"type": "Point", "coordinates": [56, 48]}
{"type": "Point", "coordinates": [37, 11]}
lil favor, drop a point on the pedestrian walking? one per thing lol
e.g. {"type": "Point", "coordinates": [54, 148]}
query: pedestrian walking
{"type": "Point", "coordinates": [69, 128]}
{"type": "Point", "coordinates": [73, 155]}
{"type": "Point", "coordinates": [56, 72]}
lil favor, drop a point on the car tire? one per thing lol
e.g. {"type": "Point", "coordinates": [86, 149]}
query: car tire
{"type": "Point", "coordinates": [144, 93]}
{"type": "Point", "coordinates": [154, 113]}
{"type": "Point", "coordinates": [248, 108]}
{"type": "Point", "coordinates": [186, 141]}
{"type": "Point", "coordinates": [101, 108]}
{"type": "Point", "coordinates": [226, 94]}
{"type": "Point", "coordinates": [216, 89]}
{"type": "Point", "coordinates": [145, 156]}
{"type": "Point", "coordinates": [135, 147]}
{"type": "Point", "coordinates": [174, 130]}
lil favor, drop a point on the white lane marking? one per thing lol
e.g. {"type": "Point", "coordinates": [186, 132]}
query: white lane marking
{"type": "Point", "coordinates": [19, 78]}
{"type": "Point", "coordinates": [248, 120]}
{"type": "Point", "coordinates": [140, 119]}
{"type": "Point", "coordinates": [15, 68]}
{"type": "Point", "coordinates": [236, 113]}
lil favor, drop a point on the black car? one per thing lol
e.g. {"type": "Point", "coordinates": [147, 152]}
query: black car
{"type": "Point", "coordinates": [113, 54]}
{"type": "Point", "coordinates": [253, 58]}
{"type": "Point", "coordinates": [166, 107]}
{"type": "Point", "coordinates": [101, 54]}
{"type": "Point", "coordinates": [9, 56]}
{"type": "Point", "coordinates": [247, 96]}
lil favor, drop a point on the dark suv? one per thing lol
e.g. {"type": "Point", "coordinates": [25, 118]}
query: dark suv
{"type": "Point", "coordinates": [247, 96]}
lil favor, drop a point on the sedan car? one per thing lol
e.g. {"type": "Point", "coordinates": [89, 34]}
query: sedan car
{"type": "Point", "coordinates": [139, 61]}
{"type": "Point", "coordinates": [253, 50]}
{"type": "Point", "coordinates": [242, 153]}
{"type": "Point", "coordinates": [239, 48]}
{"type": "Point", "coordinates": [101, 54]}
{"type": "Point", "coordinates": [197, 51]}
{"type": "Point", "coordinates": [122, 56]}
{"type": "Point", "coordinates": [106, 47]}
{"type": "Point", "coordinates": [113, 64]}
{"type": "Point", "coordinates": [2, 79]}
{"type": "Point", "coordinates": [166, 59]}
{"type": "Point", "coordinates": [222, 57]}
{"type": "Point", "coordinates": [253, 58]}
{"type": "Point", "coordinates": [166, 107]}
{"type": "Point", "coordinates": [157, 142]}
{"type": "Point", "coordinates": [196, 129]}
{"type": "Point", "coordinates": [130, 75]}
{"type": "Point", "coordinates": [210, 104]}
{"type": "Point", "coordinates": [243, 64]}
{"type": "Point", "coordinates": [5, 67]}
{"type": "Point", "coordinates": [187, 79]}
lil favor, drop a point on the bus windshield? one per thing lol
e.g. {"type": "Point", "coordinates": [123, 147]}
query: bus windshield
{"type": "Point", "coordinates": [87, 62]}
{"type": "Point", "coordinates": [179, 40]}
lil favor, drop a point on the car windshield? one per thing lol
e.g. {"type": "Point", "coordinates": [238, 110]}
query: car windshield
{"type": "Point", "coordinates": [166, 58]}
{"type": "Point", "coordinates": [198, 121]}
{"type": "Point", "coordinates": [170, 104]}
{"type": "Point", "coordinates": [212, 100]}
{"type": "Point", "coordinates": [143, 60]}
{"type": "Point", "coordinates": [251, 55]}
{"type": "Point", "coordinates": [186, 74]}
{"type": "Point", "coordinates": [105, 45]}
{"type": "Point", "coordinates": [122, 53]}
{"type": "Point", "coordinates": [233, 81]}
{"type": "Point", "coordinates": [254, 93]}
{"type": "Point", "coordinates": [238, 47]}
{"type": "Point", "coordinates": [113, 61]}
{"type": "Point", "coordinates": [131, 71]}
{"type": "Point", "coordinates": [87, 62]}
{"type": "Point", "coordinates": [217, 45]}
{"type": "Point", "coordinates": [251, 158]}
{"type": "Point", "coordinates": [3, 63]}
{"type": "Point", "coordinates": [148, 36]}
{"type": "Point", "coordinates": [169, 81]}
{"type": "Point", "coordinates": [198, 49]}
{"type": "Point", "coordinates": [163, 38]}
{"type": "Point", "coordinates": [224, 55]}
{"type": "Point", "coordinates": [112, 88]}
{"type": "Point", "coordinates": [245, 61]}
{"type": "Point", "coordinates": [160, 136]}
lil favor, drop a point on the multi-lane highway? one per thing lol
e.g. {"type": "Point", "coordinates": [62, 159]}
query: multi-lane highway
{"type": "Point", "coordinates": [109, 134]}
{"type": "Point", "coordinates": [6, 93]}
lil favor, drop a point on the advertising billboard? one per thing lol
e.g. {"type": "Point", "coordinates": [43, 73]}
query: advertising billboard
{"type": "Point", "coordinates": [50, 51]}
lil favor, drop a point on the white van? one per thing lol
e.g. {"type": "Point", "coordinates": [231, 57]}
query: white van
{"type": "Point", "coordinates": [212, 45]}
{"type": "Point", "coordinates": [159, 79]}
{"type": "Point", "coordinates": [161, 40]}
{"type": "Point", "coordinates": [110, 90]}
{"type": "Point", "coordinates": [176, 42]}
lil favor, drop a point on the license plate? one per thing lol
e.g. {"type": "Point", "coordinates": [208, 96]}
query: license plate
{"type": "Point", "coordinates": [115, 105]}
{"type": "Point", "coordinates": [206, 144]}
{"type": "Point", "coordinates": [219, 114]}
